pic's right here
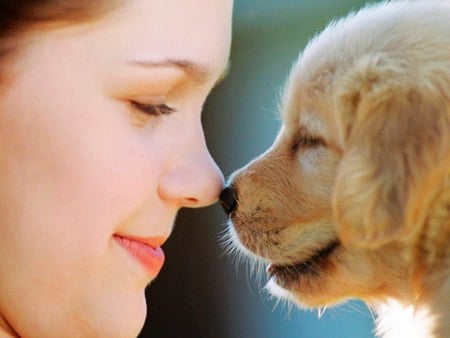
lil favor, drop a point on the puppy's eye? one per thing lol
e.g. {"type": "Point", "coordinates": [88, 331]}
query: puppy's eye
{"type": "Point", "coordinates": [307, 142]}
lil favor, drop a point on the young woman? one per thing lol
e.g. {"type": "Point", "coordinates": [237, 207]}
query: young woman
{"type": "Point", "coordinates": [100, 145]}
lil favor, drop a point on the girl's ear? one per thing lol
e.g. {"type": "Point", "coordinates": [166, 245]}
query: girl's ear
{"type": "Point", "coordinates": [396, 143]}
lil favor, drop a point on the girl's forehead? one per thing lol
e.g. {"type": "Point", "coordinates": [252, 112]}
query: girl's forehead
{"type": "Point", "coordinates": [148, 31]}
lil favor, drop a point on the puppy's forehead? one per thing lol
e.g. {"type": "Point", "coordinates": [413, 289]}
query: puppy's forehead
{"type": "Point", "coordinates": [306, 101]}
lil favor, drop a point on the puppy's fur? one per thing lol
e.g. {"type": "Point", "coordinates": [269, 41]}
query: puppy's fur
{"type": "Point", "coordinates": [353, 198]}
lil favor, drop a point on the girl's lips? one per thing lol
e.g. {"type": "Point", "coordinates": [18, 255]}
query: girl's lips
{"type": "Point", "coordinates": [146, 250]}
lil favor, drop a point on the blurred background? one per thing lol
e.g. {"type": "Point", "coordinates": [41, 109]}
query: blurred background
{"type": "Point", "coordinates": [202, 292]}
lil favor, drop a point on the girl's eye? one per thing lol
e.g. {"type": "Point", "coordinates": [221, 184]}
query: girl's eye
{"type": "Point", "coordinates": [152, 109]}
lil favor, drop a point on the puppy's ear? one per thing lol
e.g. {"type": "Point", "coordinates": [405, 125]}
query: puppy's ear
{"type": "Point", "coordinates": [396, 142]}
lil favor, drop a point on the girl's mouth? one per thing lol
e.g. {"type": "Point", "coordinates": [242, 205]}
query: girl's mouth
{"type": "Point", "coordinates": [147, 251]}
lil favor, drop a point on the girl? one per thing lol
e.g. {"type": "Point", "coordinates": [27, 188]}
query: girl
{"type": "Point", "coordinates": [100, 145]}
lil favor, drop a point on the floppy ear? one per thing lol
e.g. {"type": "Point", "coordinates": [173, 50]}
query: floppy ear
{"type": "Point", "coordinates": [396, 143]}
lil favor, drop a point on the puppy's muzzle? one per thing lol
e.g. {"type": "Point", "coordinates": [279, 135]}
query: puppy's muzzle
{"type": "Point", "coordinates": [228, 199]}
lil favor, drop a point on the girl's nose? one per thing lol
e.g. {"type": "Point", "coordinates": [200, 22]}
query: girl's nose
{"type": "Point", "coordinates": [194, 180]}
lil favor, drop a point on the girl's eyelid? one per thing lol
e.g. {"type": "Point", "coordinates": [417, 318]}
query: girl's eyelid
{"type": "Point", "coordinates": [149, 99]}
{"type": "Point", "coordinates": [152, 109]}
{"type": "Point", "coordinates": [152, 104]}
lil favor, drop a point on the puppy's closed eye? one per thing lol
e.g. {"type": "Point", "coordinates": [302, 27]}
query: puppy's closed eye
{"type": "Point", "coordinates": [306, 141]}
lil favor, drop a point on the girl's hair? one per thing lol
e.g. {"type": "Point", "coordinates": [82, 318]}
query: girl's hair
{"type": "Point", "coordinates": [18, 16]}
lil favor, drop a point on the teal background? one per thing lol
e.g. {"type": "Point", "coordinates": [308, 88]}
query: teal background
{"type": "Point", "coordinates": [202, 292]}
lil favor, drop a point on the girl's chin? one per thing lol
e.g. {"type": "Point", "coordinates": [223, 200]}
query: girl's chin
{"type": "Point", "coordinates": [122, 318]}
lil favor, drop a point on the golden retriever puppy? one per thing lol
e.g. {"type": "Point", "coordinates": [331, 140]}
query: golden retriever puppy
{"type": "Point", "coordinates": [352, 200]}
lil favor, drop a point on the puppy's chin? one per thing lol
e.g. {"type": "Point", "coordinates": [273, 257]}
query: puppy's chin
{"type": "Point", "coordinates": [285, 295]}
{"type": "Point", "coordinates": [279, 292]}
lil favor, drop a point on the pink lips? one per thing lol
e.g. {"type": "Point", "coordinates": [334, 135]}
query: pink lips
{"type": "Point", "coordinates": [146, 250]}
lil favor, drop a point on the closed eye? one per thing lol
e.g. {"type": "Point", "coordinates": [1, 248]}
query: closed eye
{"type": "Point", "coordinates": [307, 142]}
{"type": "Point", "coordinates": [152, 109]}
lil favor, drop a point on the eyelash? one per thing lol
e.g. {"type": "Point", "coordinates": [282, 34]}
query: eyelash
{"type": "Point", "coordinates": [152, 109]}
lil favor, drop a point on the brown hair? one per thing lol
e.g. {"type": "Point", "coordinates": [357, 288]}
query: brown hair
{"type": "Point", "coordinates": [18, 16]}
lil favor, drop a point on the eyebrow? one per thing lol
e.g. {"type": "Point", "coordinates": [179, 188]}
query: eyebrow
{"type": "Point", "coordinates": [199, 72]}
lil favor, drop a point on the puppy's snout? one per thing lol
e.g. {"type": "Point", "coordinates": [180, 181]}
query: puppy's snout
{"type": "Point", "coordinates": [228, 199]}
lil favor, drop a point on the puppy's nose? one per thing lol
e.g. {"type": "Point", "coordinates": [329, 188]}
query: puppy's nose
{"type": "Point", "coordinates": [228, 199]}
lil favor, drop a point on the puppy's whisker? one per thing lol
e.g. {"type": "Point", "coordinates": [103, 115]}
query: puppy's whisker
{"type": "Point", "coordinates": [321, 311]}
{"type": "Point", "coordinates": [281, 303]}
{"type": "Point", "coordinates": [356, 308]}
{"type": "Point", "coordinates": [254, 267]}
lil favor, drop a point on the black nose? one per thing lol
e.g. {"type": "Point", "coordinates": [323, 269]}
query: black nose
{"type": "Point", "coordinates": [228, 199]}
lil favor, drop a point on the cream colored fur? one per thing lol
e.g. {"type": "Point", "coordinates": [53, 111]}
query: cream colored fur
{"type": "Point", "coordinates": [363, 161]}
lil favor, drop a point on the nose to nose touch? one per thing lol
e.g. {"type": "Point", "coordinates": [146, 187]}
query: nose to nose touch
{"type": "Point", "coordinates": [228, 199]}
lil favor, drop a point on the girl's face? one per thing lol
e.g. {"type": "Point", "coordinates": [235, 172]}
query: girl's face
{"type": "Point", "coordinates": [100, 145]}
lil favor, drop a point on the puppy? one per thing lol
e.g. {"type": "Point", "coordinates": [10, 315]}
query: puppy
{"type": "Point", "coordinates": [352, 200]}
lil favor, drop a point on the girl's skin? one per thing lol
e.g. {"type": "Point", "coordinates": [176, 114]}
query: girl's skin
{"type": "Point", "coordinates": [100, 137]}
